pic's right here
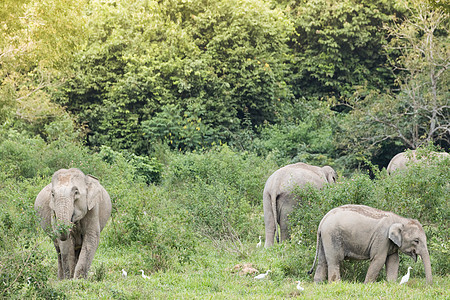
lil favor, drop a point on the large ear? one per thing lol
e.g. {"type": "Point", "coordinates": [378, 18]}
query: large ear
{"type": "Point", "coordinates": [94, 191]}
{"type": "Point", "coordinates": [395, 233]}
{"type": "Point", "coordinates": [43, 206]}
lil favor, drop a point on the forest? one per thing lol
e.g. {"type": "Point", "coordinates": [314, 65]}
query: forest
{"type": "Point", "coordinates": [183, 109]}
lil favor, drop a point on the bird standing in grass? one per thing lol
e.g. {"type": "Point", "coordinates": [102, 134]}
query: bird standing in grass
{"type": "Point", "coordinates": [124, 273]}
{"type": "Point", "coordinates": [406, 277]}
{"type": "Point", "coordinates": [299, 287]}
{"type": "Point", "coordinates": [143, 275]}
{"type": "Point", "coordinates": [261, 276]}
{"type": "Point", "coordinates": [259, 244]}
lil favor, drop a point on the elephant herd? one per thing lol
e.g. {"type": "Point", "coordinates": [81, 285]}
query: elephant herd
{"type": "Point", "coordinates": [74, 208]}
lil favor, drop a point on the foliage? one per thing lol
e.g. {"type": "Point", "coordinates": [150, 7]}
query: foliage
{"type": "Point", "coordinates": [339, 46]}
{"type": "Point", "coordinates": [224, 188]}
{"type": "Point", "coordinates": [304, 133]}
{"type": "Point", "coordinates": [139, 66]}
{"type": "Point", "coordinates": [37, 41]}
{"type": "Point", "coordinates": [418, 113]}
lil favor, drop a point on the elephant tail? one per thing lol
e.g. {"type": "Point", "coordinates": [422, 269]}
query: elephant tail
{"type": "Point", "coordinates": [318, 246]}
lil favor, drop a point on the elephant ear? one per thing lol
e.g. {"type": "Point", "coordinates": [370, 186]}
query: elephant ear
{"type": "Point", "coordinates": [94, 191]}
{"type": "Point", "coordinates": [395, 233]}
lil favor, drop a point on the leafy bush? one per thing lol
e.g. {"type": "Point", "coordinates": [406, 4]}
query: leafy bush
{"type": "Point", "coordinates": [22, 271]}
{"type": "Point", "coordinates": [220, 189]}
{"type": "Point", "coordinates": [149, 169]}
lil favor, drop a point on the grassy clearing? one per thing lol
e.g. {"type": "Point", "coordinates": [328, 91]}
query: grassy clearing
{"type": "Point", "coordinates": [209, 275]}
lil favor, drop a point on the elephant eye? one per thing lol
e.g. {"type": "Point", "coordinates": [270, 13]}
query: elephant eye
{"type": "Point", "coordinates": [416, 241]}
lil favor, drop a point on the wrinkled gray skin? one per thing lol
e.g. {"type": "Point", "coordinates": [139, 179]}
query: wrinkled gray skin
{"type": "Point", "coordinates": [362, 232]}
{"type": "Point", "coordinates": [278, 197]}
{"type": "Point", "coordinates": [400, 161]}
{"type": "Point", "coordinates": [78, 199]}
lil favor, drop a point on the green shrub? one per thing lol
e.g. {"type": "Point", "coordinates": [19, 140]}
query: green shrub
{"type": "Point", "coordinates": [22, 273]}
{"type": "Point", "coordinates": [220, 189]}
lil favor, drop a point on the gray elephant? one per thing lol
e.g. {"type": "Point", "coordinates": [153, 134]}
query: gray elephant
{"type": "Point", "coordinates": [400, 161]}
{"type": "Point", "coordinates": [278, 197]}
{"type": "Point", "coordinates": [73, 209]}
{"type": "Point", "coordinates": [362, 232]}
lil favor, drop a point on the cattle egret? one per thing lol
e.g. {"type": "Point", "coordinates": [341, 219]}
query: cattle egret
{"type": "Point", "coordinates": [406, 277]}
{"type": "Point", "coordinates": [259, 244]}
{"type": "Point", "coordinates": [261, 276]}
{"type": "Point", "coordinates": [143, 275]}
{"type": "Point", "coordinates": [124, 273]}
{"type": "Point", "coordinates": [299, 287]}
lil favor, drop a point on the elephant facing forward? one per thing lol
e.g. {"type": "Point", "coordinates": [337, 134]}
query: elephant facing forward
{"type": "Point", "coordinates": [362, 232]}
{"type": "Point", "coordinates": [73, 208]}
{"type": "Point", "coordinates": [278, 197]}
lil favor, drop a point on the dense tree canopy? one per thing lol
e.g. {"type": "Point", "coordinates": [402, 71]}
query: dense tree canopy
{"type": "Point", "coordinates": [307, 80]}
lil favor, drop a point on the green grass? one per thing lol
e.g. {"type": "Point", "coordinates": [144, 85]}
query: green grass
{"type": "Point", "coordinates": [209, 275]}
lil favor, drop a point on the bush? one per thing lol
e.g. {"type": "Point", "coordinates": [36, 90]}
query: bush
{"type": "Point", "coordinates": [220, 189]}
{"type": "Point", "coordinates": [23, 273]}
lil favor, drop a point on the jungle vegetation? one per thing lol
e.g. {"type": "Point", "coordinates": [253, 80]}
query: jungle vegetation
{"type": "Point", "coordinates": [183, 108]}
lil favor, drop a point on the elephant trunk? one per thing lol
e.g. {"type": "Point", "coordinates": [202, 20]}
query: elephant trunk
{"type": "Point", "coordinates": [63, 218]}
{"type": "Point", "coordinates": [427, 265]}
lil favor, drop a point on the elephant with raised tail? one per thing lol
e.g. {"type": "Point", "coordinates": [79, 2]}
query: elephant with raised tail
{"type": "Point", "coordinates": [278, 197]}
{"type": "Point", "coordinates": [362, 232]}
{"type": "Point", "coordinates": [73, 208]}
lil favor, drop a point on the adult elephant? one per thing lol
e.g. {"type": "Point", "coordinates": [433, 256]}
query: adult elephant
{"type": "Point", "coordinates": [400, 160]}
{"type": "Point", "coordinates": [73, 208]}
{"type": "Point", "coordinates": [362, 232]}
{"type": "Point", "coordinates": [278, 197]}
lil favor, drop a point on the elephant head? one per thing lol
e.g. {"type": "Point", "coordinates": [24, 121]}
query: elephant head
{"type": "Point", "coordinates": [411, 240]}
{"type": "Point", "coordinates": [330, 174]}
{"type": "Point", "coordinates": [73, 194]}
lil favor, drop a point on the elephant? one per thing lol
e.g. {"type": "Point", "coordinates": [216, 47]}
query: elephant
{"type": "Point", "coordinates": [361, 232]}
{"type": "Point", "coordinates": [278, 197]}
{"type": "Point", "coordinates": [73, 210]}
{"type": "Point", "coordinates": [400, 160]}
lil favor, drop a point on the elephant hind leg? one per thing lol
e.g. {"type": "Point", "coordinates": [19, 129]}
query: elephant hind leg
{"type": "Point", "coordinates": [334, 254]}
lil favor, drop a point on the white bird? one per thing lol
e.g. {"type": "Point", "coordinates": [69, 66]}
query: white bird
{"type": "Point", "coordinates": [261, 276]}
{"type": "Point", "coordinates": [143, 275]}
{"type": "Point", "coordinates": [406, 277]}
{"type": "Point", "coordinates": [124, 273]}
{"type": "Point", "coordinates": [259, 244]}
{"type": "Point", "coordinates": [299, 287]}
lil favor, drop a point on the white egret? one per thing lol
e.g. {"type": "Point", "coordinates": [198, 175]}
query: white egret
{"type": "Point", "coordinates": [406, 277]}
{"type": "Point", "coordinates": [143, 275]}
{"type": "Point", "coordinates": [259, 244]}
{"type": "Point", "coordinates": [299, 287]}
{"type": "Point", "coordinates": [124, 273]}
{"type": "Point", "coordinates": [261, 276]}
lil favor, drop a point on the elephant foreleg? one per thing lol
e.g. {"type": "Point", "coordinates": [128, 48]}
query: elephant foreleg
{"type": "Point", "coordinates": [67, 253]}
{"type": "Point", "coordinates": [392, 263]}
{"type": "Point", "coordinates": [60, 267]}
{"type": "Point", "coordinates": [375, 267]}
{"type": "Point", "coordinates": [88, 249]}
